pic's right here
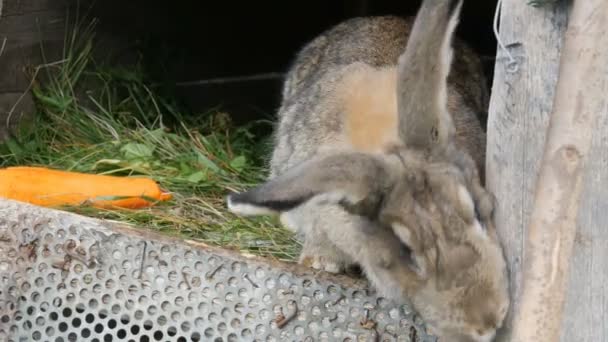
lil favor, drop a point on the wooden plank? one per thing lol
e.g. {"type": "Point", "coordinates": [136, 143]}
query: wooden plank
{"type": "Point", "coordinates": [586, 307]}
{"type": "Point", "coordinates": [519, 108]}
{"type": "Point", "coordinates": [22, 106]}
{"type": "Point", "coordinates": [520, 105]}
{"type": "Point", "coordinates": [22, 53]}
{"type": "Point", "coordinates": [579, 101]}
{"type": "Point", "coordinates": [26, 27]}
{"type": "Point", "coordinates": [20, 7]}
{"type": "Point", "coordinates": [34, 23]}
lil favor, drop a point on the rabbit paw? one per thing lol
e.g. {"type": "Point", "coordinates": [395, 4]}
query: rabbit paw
{"type": "Point", "coordinates": [328, 258]}
{"type": "Point", "coordinates": [321, 263]}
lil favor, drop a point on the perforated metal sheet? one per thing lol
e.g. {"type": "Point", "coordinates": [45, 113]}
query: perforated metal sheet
{"type": "Point", "coordinates": [64, 277]}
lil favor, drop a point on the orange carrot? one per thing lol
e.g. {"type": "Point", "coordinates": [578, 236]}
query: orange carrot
{"type": "Point", "coordinates": [50, 188]}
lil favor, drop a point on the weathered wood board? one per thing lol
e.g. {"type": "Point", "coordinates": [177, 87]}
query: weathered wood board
{"type": "Point", "coordinates": [26, 26]}
{"type": "Point", "coordinates": [520, 106]}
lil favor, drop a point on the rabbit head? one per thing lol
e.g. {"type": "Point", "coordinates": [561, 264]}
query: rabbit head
{"type": "Point", "coordinates": [422, 224]}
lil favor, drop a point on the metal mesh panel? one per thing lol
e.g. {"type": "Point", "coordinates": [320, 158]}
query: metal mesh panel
{"type": "Point", "coordinates": [65, 277]}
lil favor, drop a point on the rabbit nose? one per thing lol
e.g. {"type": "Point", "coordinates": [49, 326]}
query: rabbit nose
{"type": "Point", "coordinates": [488, 336]}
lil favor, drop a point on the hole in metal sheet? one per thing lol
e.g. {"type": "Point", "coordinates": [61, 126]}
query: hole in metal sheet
{"type": "Point", "coordinates": [57, 302]}
{"type": "Point", "coordinates": [89, 318]}
{"type": "Point", "coordinates": [121, 333]}
{"type": "Point", "coordinates": [40, 321]}
{"type": "Point", "coordinates": [152, 310]}
{"type": "Point", "coordinates": [106, 299]}
{"type": "Point", "coordinates": [186, 326]}
{"type": "Point", "coordinates": [165, 305]}
{"type": "Point", "coordinates": [135, 329]}
{"type": "Point", "coordinates": [93, 303]}
{"type": "Point", "coordinates": [30, 310]}
{"type": "Point", "coordinates": [189, 311]}
{"type": "Point", "coordinates": [76, 322]}
{"type": "Point", "coordinates": [246, 333]}
{"type": "Point", "coordinates": [71, 297]}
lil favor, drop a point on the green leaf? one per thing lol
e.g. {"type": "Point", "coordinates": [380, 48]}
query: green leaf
{"type": "Point", "coordinates": [197, 177]}
{"type": "Point", "coordinates": [184, 168]}
{"type": "Point", "coordinates": [134, 151]}
{"type": "Point", "coordinates": [117, 165]}
{"type": "Point", "coordinates": [207, 162]}
{"type": "Point", "coordinates": [238, 163]}
{"type": "Point", "coordinates": [102, 162]}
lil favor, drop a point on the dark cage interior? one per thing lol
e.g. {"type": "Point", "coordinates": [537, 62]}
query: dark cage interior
{"type": "Point", "coordinates": [185, 41]}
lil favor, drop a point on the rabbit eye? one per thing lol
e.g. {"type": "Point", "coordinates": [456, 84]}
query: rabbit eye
{"type": "Point", "coordinates": [479, 220]}
{"type": "Point", "coordinates": [404, 250]}
{"type": "Point", "coordinates": [477, 216]}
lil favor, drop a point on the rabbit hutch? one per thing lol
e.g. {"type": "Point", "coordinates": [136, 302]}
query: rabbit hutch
{"type": "Point", "coordinates": [185, 93]}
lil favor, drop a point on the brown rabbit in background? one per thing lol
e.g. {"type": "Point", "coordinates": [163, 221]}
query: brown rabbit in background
{"type": "Point", "coordinates": [377, 162]}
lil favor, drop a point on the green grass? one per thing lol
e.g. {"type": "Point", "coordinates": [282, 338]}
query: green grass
{"type": "Point", "coordinates": [96, 119]}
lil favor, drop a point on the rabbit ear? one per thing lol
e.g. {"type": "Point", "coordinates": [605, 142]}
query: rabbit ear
{"type": "Point", "coordinates": [354, 180]}
{"type": "Point", "coordinates": [424, 121]}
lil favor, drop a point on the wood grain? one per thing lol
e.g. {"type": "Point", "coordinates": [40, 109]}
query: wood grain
{"type": "Point", "coordinates": [27, 27]}
{"type": "Point", "coordinates": [520, 106]}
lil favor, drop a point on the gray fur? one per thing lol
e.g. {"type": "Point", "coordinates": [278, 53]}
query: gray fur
{"type": "Point", "coordinates": [414, 214]}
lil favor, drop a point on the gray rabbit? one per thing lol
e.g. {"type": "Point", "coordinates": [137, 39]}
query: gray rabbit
{"type": "Point", "coordinates": [377, 162]}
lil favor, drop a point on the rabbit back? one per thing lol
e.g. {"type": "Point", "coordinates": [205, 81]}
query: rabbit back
{"type": "Point", "coordinates": [339, 93]}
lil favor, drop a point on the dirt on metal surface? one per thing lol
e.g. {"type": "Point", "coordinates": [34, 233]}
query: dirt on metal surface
{"type": "Point", "coordinates": [65, 277]}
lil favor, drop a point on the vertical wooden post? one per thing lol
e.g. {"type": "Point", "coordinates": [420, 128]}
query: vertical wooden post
{"type": "Point", "coordinates": [520, 105]}
{"type": "Point", "coordinates": [580, 98]}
